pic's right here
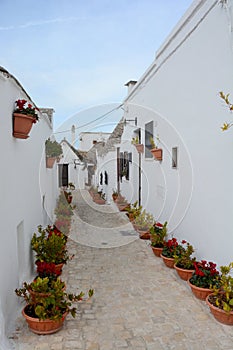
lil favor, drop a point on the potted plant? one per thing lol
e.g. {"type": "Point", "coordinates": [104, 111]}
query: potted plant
{"type": "Point", "coordinates": [139, 146]}
{"type": "Point", "coordinates": [24, 116]}
{"type": "Point", "coordinates": [155, 150]}
{"type": "Point", "coordinates": [50, 247]}
{"type": "Point", "coordinates": [220, 301]}
{"type": "Point", "coordinates": [114, 195]}
{"type": "Point", "coordinates": [46, 312]}
{"type": "Point", "coordinates": [203, 279]}
{"type": "Point", "coordinates": [184, 262]}
{"type": "Point", "coordinates": [53, 150]}
{"type": "Point", "coordinates": [68, 192]}
{"type": "Point", "coordinates": [170, 249]}
{"type": "Point", "coordinates": [142, 223]}
{"type": "Point", "coordinates": [158, 234]}
{"type": "Point", "coordinates": [133, 211]}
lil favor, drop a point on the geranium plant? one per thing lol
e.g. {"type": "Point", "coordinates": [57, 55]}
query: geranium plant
{"type": "Point", "coordinates": [23, 107]}
{"type": "Point", "coordinates": [172, 248]}
{"type": "Point", "coordinates": [183, 258]}
{"type": "Point", "coordinates": [205, 275]}
{"type": "Point", "coordinates": [158, 234]}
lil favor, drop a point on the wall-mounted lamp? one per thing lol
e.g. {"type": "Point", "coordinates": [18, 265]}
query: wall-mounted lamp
{"type": "Point", "coordinates": [76, 162]}
{"type": "Point", "coordinates": [135, 120]}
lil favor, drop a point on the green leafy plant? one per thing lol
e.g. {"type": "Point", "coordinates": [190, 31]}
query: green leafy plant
{"type": "Point", "coordinates": [134, 209]}
{"type": "Point", "coordinates": [52, 148]}
{"type": "Point", "coordinates": [183, 258]}
{"type": "Point", "coordinates": [152, 142]}
{"type": "Point", "coordinates": [135, 140]}
{"type": "Point", "coordinates": [223, 294]}
{"type": "Point", "coordinates": [52, 306]}
{"type": "Point", "coordinates": [144, 220]}
{"type": "Point", "coordinates": [205, 275]}
{"type": "Point", "coordinates": [158, 234]}
{"type": "Point", "coordinates": [50, 245]}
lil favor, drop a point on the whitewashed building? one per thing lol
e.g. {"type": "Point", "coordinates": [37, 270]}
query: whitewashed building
{"type": "Point", "coordinates": [177, 98]}
{"type": "Point", "coordinates": [28, 194]}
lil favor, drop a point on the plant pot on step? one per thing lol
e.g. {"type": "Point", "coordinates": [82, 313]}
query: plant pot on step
{"type": "Point", "coordinates": [169, 262]}
{"type": "Point", "coordinates": [184, 274]}
{"type": "Point", "coordinates": [157, 251]}
{"type": "Point", "coordinates": [219, 314]}
{"type": "Point", "coordinates": [144, 234]}
{"type": "Point", "coordinates": [200, 293]}
{"type": "Point", "coordinates": [22, 124]}
{"type": "Point", "coordinates": [46, 326]}
{"type": "Point", "coordinates": [157, 153]}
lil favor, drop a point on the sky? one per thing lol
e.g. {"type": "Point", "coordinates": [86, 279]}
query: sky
{"type": "Point", "coordinates": [72, 55]}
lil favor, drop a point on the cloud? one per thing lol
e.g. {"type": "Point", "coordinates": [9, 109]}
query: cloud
{"type": "Point", "coordinates": [44, 22]}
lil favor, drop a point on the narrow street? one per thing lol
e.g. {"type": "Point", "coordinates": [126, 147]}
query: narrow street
{"type": "Point", "coordinates": [139, 303]}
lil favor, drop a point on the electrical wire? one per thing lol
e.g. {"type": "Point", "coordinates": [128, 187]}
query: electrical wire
{"type": "Point", "coordinates": [103, 116]}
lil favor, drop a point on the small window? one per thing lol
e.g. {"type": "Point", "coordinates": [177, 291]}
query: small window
{"type": "Point", "coordinates": [174, 157]}
{"type": "Point", "coordinates": [148, 134]}
{"type": "Point", "coordinates": [62, 175]}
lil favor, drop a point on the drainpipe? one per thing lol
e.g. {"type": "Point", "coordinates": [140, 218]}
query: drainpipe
{"type": "Point", "coordinates": [139, 171]}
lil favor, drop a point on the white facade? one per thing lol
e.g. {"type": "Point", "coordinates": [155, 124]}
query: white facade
{"type": "Point", "coordinates": [179, 93]}
{"type": "Point", "coordinates": [87, 139]}
{"type": "Point", "coordinates": [28, 193]}
{"type": "Point", "coordinates": [76, 174]}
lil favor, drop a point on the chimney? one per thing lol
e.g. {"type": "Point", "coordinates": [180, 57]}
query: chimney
{"type": "Point", "coordinates": [130, 85]}
{"type": "Point", "coordinates": [72, 135]}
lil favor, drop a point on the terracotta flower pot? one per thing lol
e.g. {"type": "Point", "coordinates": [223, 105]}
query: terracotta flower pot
{"type": "Point", "coordinates": [22, 124]}
{"type": "Point", "coordinates": [157, 251]}
{"type": "Point", "coordinates": [43, 326]}
{"type": "Point", "coordinates": [219, 314]}
{"type": "Point", "coordinates": [100, 201]}
{"type": "Point", "coordinates": [139, 147]}
{"type": "Point", "coordinates": [50, 162]}
{"type": "Point", "coordinates": [169, 262]}
{"type": "Point", "coordinates": [200, 293]}
{"type": "Point", "coordinates": [144, 234]}
{"type": "Point", "coordinates": [157, 153]}
{"type": "Point", "coordinates": [184, 274]}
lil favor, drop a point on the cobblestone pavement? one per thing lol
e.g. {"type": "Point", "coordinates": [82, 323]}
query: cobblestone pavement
{"type": "Point", "coordinates": [139, 303]}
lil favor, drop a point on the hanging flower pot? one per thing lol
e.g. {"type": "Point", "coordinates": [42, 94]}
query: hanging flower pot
{"type": "Point", "coordinates": [22, 125]}
{"type": "Point", "coordinates": [139, 147]}
{"type": "Point", "coordinates": [50, 162]}
{"type": "Point", "coordinates": [24, 117]}
{"type": "Point", "coordinates": [157, 153]}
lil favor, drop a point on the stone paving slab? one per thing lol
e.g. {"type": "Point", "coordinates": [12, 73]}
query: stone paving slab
{"type": "Point", "coordinates": [139, 304]}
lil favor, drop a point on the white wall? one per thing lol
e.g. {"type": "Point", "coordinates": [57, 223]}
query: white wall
{"type": "Point", "coordinates": [77, 175]}
{"type": "Point", "coordinates": [86, 139]}
{"type": "Point", "coordinates": [181, 95]}
{"type": "Point", "coordinates": [24, 181]}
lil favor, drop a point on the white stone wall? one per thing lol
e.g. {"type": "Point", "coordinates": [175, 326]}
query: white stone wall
{"type": "Point", "coordinates": [77, 175]}
{"type": "Point", "coordinates": [27, 188]}
{"type": "Point", "coordinates": [180, 93]}
{"type": "Point", "coordinates": [86, 139]}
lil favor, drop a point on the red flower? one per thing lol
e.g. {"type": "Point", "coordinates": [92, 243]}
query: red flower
{"type": "Point", "coordinates": [183, 241]}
